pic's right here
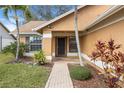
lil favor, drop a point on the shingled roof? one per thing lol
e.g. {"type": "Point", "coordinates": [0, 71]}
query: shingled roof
{"type": "Point", "coordinates": [27, 28]}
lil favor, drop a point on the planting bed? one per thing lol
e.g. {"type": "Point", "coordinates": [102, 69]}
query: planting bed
{"type": "Point", "coordinates": [95, 81]}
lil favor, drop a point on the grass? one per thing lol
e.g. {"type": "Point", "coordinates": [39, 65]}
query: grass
{"type": "Point", "coordinates": [79, 73]}
{"type": "Point", "coordinates": [6, 57]}
{"type": "Point", "coordinates": [22, 76]}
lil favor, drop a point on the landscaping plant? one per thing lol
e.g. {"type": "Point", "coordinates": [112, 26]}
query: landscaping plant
{"type": "Point", "coordinates": [12, 49]}
{"type": "Point", "coordinates": [80, 73]}
{"type": "Point", "coordinates": [40, 57]}
{"type": "Point", "coordinates": [112, 61]}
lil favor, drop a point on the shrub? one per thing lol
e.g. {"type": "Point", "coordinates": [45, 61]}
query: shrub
{"type": "Point", "coordinates": [12, 49]}
{"type": "Point", "coordinates": [112, 60]}
{"type": "Point", "coordinates": [80, 73]}
{"type": "Point", "coordinates": [40, 57]}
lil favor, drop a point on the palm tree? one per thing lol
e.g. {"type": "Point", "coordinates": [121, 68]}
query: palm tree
{"type": "Point", "coordinates": [77, 36]}
{"type": "Point", "coordinates": [14, 9]}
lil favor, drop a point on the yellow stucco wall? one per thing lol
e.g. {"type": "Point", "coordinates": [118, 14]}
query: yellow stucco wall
{"type": "Point", "coordinates": [23, 39]}
{"type": "Point", "coordinates": [53, 45]}
{"type": "Point", "coordinates": [85, 16]}
{"type": "Point", "coordinates": [47, 44]}
{"type": "Point", "coordinates": [114, 31]}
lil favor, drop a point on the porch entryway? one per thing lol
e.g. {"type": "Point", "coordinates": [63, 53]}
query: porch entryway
{"type": "Point", "coordinates": [63, 46]}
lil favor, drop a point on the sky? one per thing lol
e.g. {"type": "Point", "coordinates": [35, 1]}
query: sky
{"type": "Point", "coordinates": [6, 23]}
{"type": "Point", "coordinates": [9, 24]}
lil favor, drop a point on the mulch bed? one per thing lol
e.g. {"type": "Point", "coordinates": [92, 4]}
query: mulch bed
{"type": "Point", "coordinates": [30, 61]}
{"type": "Point", "coordinates": [26, 59]}
{"type": "Point", "coordinates": [94, 82]}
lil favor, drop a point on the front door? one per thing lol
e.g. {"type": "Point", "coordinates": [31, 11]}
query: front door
{"type": "Point", "coordinates": [61, 46]}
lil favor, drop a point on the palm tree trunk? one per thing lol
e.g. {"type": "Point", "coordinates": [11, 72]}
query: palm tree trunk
{"type": "Point", "coordinates": [18, 42]}
{"type": "Point", "coordinates": [18, 37]}
{"type": "Point", "coordinates": [77, 36]}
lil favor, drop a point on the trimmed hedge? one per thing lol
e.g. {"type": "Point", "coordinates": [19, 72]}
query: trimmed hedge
{"type": "Point", "coordinates": [80, 73]}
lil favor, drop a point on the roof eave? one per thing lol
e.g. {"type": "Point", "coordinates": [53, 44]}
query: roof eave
{"type": "Point", "coordinates": [7, 30]}
{"type": "Point", "coordinates": [27, 33]}
{"type": "Point", "coordinates": [105, 15]}
{"type": "Point", "coordinates": [56, 19]}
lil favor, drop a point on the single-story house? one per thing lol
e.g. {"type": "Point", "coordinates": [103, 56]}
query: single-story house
{"type": "Point", "coordinates": [33, 40]}
{"type": "Point", "coordinates": [95, 22]}
{"type": "Point", "coordinates": [59, 36]}
{"type": "Point", "coordinates": [5, 37]}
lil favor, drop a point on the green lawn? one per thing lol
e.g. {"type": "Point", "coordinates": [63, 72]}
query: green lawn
{"type": "Point", "coordinates": [22, 76]}
{"type": "Point", "coordinates": [7, 57]}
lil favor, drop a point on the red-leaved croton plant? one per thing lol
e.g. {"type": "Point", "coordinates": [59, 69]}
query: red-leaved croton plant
{"type": "Point", "coordinates": [112, 61]}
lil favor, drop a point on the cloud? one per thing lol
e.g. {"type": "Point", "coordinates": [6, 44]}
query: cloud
{"type": "Point", "coordinates": [10, 27]}
{"type": "Point", "coordinates": [7, 24]}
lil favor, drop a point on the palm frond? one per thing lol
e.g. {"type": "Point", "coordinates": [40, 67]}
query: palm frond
{"type": "Point", "coordinates": [5, 13]}
{"type": "Point", "coordinates": [27, 14]}
{"type": "Point", "coordinates": [6, 9]}
{"type": "Point", "coordinates": [14, 9]}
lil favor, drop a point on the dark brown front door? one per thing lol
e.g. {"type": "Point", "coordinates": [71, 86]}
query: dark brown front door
{"type": "Point", "coordinates": [61, 46]}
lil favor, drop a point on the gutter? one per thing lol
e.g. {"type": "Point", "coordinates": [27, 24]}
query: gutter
{"type": "Point", "coordinates": [106, 14]}
{"type": "Point", "coordinates": [113, 22]}
{"type": "Point", "coordinates": [27, 33]}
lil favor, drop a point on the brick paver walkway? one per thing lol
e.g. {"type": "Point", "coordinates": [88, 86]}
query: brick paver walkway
{"type": "Point", "coordinates": [59, 77]}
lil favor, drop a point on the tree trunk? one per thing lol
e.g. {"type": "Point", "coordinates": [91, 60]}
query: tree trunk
{"type": "Point", "coordinates": [18, 37]}
{"type": "Point", "coordinates": [18, 42]}
{"type": "Point", "coordinates": [77, 36]}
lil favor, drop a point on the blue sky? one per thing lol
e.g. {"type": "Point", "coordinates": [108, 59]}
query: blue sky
{"type": "Point", "coordinates": [10, 23]}
{"type": "Point", "coordinates": [5, 22]}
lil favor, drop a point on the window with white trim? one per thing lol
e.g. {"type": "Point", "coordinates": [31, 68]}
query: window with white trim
{"type": "Point", "coordinates": [34, 43]}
